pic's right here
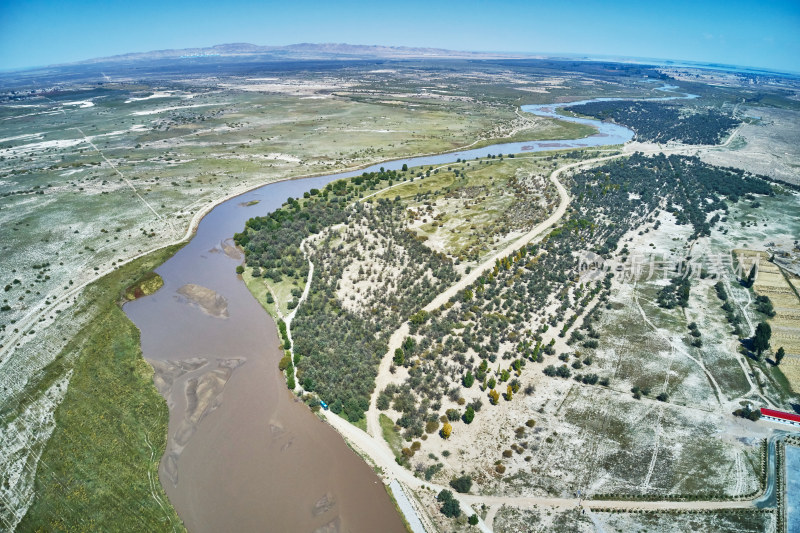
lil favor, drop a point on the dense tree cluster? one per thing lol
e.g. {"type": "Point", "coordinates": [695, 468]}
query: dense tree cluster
{"type": "Point", "coordinates": [272, 242]}
{"type": "Point", "coordinates": [339, 349]}
{"type": "Point", "coordinates": [662, 122]}
{"type": "Point", "coordinates": [342, 347]}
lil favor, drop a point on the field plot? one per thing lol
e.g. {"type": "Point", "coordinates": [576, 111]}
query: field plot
{"type": "Point", "coordinates": [780, 287]}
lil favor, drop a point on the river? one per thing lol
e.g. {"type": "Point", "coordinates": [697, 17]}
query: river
{"type": "Point", "coordinates": [243, 454]}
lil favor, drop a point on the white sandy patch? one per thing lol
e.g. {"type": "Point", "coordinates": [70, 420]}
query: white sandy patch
{"type": "Point", "coordinates": [79, 103]}
{"type": "Point", "coordinates": [32, 115]}
{"type": "Point", "coordinates": [37, 147]}
{"type": "Point", "coordinates": [174, 108]}
{"type": "Point", "coordinates": [157, 94]}
{"type": "Point", "coordinates": [70, 172]}
{"type": "Point", "coordinates": [24, 137]}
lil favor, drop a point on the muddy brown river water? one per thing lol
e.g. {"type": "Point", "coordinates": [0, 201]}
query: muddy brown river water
{"type": "Point", "coordinates": [243, 454]}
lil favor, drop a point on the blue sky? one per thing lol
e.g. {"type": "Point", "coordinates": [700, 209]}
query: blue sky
{"type": "Point", "coordinates": [761, 34]}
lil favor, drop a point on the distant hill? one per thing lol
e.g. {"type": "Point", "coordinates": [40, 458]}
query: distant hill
{"type": "Point", "coordinates": [302, 51]}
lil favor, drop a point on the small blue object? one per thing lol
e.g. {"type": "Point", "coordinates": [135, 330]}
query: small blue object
{"type": "Point", "coordinates": [324, 405]}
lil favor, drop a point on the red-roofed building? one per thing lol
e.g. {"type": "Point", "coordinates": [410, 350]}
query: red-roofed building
{"type": "Point", "coordinates": [780, 416]}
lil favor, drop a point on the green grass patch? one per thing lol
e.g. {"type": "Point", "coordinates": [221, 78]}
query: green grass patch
{"type": "Point", "coordinates": [99, 470]}
{"type": "Point", "coordinates": [361, 424]}
{"type": "Point", "coordinates": [282, 292]}
{"type": "Point", "coordinates": [390, 434]}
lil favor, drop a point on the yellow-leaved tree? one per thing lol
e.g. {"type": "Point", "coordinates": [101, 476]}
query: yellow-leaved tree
{"type": "Point", "coordinates": [494, 397]}
{"type": "Point", "coordinates": [446, 431]}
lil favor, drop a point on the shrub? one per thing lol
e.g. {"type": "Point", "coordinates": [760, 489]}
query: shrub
{"type": "Point", "coordinates": [469, 379]}
{"type": "Point", "coordinates": [451, 509]}
{"type": "Point", "coordinates": [469, 415]}
{"type": "Point", "coordinates": [446, 431]}
{"type": "Point", "coordinates": [461, 484]}
{"type": "Point", "coordinates": [453, 415]}
{"type": "Point", "coordinates": [383, 401]}
{"type": "Point", "coordinates": [399, 357]}
{"type": "Point", "coordinates": [500, 469]}
{"type": "Point", "coordinates": [494, 396]}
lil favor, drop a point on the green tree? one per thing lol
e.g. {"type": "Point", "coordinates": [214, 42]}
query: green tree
{"type": "Point", "coordinates": [451, 509]}
{"type": "Point", "coordinates": [399, 357]}
{"type": "Point", "coordinates": [473, 520]}
{"type": "Point", "coordinates": [779, 355]}
{"type": "Point", "coordinates": [461, 484]}
{"type": "Point", "coordinates": [761, 338]}
{"type": "Point", "coordinates": [469, 415]}
{"type": "Point", "coordinates": [405, 167]}
{"type": "Point", "coordinates": [469, 379]}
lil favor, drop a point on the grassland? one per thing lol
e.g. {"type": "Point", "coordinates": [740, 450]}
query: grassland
{"type": "Point", "coordinates": [391, 435]}
{"type": "Point", "coordinates": [99, 469]}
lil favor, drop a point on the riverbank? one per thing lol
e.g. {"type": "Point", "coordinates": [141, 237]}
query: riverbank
{"type": "Point", "coordinates": [110, 428]}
